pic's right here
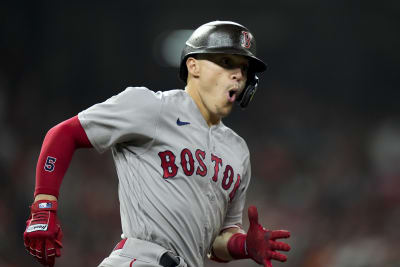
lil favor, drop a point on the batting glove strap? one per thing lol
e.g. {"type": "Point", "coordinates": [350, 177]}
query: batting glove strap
{"type": "Point", "coordinates": [237, 246]}
{"type": "Point", "coordinates": [44, 205]}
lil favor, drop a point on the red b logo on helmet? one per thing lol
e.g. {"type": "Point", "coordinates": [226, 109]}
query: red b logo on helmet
{"type": "Point", "coordinates": [246, 39]}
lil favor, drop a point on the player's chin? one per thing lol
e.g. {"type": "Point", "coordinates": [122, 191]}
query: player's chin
{"type": "Point", "coordinates": [226, 110]}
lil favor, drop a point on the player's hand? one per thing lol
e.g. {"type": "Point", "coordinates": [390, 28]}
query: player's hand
{"type": "Point", "coordinates": [43, 235]}
{"type": "Point", "coordinates": [260, 242]}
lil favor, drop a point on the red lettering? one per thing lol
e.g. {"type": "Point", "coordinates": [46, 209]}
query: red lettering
{"type": "Point", "coordinates": [200, 156]}
{"type": "Point", "coordinates": [168, 164]}
{"type": "Point", "coordinates": [228, 177]}
{"type": "Point", "coordinates": [188, 170]}
{"type": "Point", "coordinates": [235, 188]}
{"type": "Point", "coordinates": [218, 161]}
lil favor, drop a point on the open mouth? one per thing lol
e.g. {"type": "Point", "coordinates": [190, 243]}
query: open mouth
{"type": "Point", "coordinates": [232, 95]}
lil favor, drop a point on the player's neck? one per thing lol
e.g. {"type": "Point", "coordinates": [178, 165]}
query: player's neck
{"type": "Point", "coordinates": [207, 115]}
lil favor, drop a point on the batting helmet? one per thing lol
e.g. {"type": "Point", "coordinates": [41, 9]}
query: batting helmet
{"type": "Point", "coordinates": [225, 37]}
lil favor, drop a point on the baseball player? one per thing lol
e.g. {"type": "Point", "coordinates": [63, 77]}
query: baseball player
{"type": "Point", "coordinates": [182, 173]}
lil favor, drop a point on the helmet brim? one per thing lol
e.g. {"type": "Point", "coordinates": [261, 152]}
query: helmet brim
{"type": "Point", "coordinates": [255, 64]}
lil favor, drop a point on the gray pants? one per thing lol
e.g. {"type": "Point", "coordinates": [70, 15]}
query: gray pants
{"type": "Point", "coordinates": [137, 253]}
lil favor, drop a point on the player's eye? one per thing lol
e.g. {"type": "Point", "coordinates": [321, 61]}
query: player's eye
{"type": "Point", "coordinates": [229, 63]}
{"type": "Point", "coordinates": [226, 62]}
{"type": "Point", "coordinates": [245, 68]}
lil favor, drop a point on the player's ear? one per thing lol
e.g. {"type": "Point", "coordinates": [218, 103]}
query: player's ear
{"type": "Point", "coordinates": [193, 66]}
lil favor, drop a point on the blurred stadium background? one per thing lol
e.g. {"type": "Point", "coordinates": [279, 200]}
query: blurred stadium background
{"type": "Point", "coordinates": [323, 129]}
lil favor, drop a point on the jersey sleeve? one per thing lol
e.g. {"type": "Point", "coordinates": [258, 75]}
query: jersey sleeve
{"type": "Point", "coordinates": [233, 216]}
{"type": "Point", "coordinates": [131, 115]}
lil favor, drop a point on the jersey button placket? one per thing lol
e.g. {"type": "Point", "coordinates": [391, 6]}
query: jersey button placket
{"type": "Point", "coordinates": [206, 232]}
{"type": "Point", "coordinates": [212, 130]}
{"type": "Point", "coordinates": [211, 146]}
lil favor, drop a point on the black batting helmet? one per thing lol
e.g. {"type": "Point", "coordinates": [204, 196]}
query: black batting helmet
{"type": "Point", "coordinates": [225, 37]}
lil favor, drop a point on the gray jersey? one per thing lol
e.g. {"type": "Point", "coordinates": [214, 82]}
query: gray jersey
{"type": "Point", "coordinates": [180, 181]}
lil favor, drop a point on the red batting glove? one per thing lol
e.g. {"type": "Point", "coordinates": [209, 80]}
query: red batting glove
{"type": "Point", "coordinates": [259, 243]}
{"type": "Point", "coordinates": [43, 235]}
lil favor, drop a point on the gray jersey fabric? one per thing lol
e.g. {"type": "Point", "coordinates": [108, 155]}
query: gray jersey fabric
{"type": "Point", "coordinates": [180, 181]}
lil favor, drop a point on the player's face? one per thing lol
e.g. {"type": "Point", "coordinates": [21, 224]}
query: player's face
{"type": "Point", "coordinates": [222, 78]}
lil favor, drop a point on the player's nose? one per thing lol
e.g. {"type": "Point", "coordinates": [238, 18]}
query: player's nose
{"type": "Point", "coordinates": [237, 74]}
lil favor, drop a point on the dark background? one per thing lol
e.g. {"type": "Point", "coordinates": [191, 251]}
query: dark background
{"type": "Point", "coordinates": [323, 129]}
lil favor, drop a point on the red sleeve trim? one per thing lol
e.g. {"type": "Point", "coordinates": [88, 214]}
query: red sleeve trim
{"type": "Point", "coordinates": [58, 146]}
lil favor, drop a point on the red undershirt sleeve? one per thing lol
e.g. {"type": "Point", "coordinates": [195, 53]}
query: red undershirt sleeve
{"type": "Point", "coordinates": [58, 146]}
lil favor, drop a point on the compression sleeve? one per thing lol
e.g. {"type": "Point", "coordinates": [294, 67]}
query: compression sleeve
{"type": "Point", "coordinates": [58, 146]}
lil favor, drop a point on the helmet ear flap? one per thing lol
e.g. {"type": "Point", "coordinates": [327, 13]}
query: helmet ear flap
{"type": "Point", "coordinates": [247, 95]}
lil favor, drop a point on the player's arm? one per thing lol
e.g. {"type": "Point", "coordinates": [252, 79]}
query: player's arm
{"type": "Point", "coordinates": [58, 147]}
{"type": "Point", "coordinates": [42, 236]}
{"type": "Point", "coordinates": [45, 197]}
{"type": "Point", "coordinates": [258, 244]}
{"type": "Point", "coordinates": [220, 250]}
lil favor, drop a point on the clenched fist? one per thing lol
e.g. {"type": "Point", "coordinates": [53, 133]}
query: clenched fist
{"type": "Point", "coordinates": [43, 235]}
